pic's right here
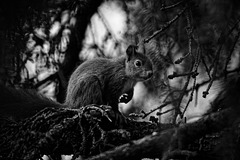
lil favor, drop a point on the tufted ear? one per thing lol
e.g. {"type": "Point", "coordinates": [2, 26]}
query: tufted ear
{"type": "Point", "coordinates": [141, 48]}
{"type": "Point", "coordinates": [131, 50]}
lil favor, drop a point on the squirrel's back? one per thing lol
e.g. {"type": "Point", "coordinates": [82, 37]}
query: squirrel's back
{"type": "Point", "coordinates": [88, 82]}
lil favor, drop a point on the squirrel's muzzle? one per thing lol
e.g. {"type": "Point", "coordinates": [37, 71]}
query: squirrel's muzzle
{"type": "Point", "coordinates": [149, 74]}
{"type": "Point", "coordinates": [146, 75]}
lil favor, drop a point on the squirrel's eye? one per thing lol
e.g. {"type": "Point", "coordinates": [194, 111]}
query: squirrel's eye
{"type": "Point", "coordinates": [138, 63]}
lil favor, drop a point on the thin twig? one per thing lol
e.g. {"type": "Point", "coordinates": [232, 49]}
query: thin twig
{"type": "Point", "coordinates": [199, 54]}
{"type": "Point", "coordinates": [206, 67]}
{"type": "Point", "coordinates": [106, 24]}
{"type": "Point", "coordinates": [191, 96]}
{"type": "Point", "coordinates": [171, 6]}
{"type": "Point", "coordinates": [174, 75]}
{"type": "Point", "coordinates": [216, 78]}
{"type": "Point", "coordinates": [166, 26]}
{"type": "Point", "coordinates": [189, 32]}
{"type": "Point", "coordinates": [205, 93]}
{"type": "Point", "coordinates": [169, 110]}
{"type": "Point", "coordinates": [160, 107]}
{"type": "Point", "coordinates": [178, 111]}
{"type": "Point", "coordinates": [196, 65]}
{"type": "Point", "coordinates": [190, 35]}
{"type": "Point", "coordinates": [214, 65]}
{"type": "Point", "coordinates": [232, 71]}
{"type": "Point", "coordinates": [231, 51]}
{"type": "Point", "coordinates": [221, 41]}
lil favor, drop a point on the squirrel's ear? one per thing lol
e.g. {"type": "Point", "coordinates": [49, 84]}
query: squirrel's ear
{"type": "Point", "coordinates": [141, 48]}
{"type": "Point", "coordinates": [131, 50]}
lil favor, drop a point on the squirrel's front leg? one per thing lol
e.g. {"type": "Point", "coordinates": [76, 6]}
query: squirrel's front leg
{"type": "Point", "coordinates": [126, 96]}
{"type": "Point", "coordinates": [127, 91]}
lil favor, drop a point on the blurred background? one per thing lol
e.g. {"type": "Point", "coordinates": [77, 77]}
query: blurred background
{"type": "Point", "coordinates": [193, 45]}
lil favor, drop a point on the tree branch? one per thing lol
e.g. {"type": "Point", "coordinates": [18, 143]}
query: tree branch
{"type": "Point", "coordinates": [159, 144]}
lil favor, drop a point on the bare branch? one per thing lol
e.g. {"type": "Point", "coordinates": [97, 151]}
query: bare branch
{"type": "Point", "coordinates": [231, 51]}
{"type": "Point", "coordinates": [166, 26]}
{"type": "Point", "coordinates": [171, 6]}
{"type": "Point", "coordinates": [165, 141]}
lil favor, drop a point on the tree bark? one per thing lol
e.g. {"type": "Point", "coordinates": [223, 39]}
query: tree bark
{"type": "Point", "coordinates": [97, 129]}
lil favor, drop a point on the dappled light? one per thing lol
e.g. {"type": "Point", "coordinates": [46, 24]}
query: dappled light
{"type": "Point", "coordinates": [161, 77]}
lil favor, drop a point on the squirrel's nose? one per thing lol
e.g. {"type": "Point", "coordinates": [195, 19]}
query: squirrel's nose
{"type": "Point", "coordinates": [149, 73]}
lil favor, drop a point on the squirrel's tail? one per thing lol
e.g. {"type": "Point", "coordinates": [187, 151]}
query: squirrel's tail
{"type": "Point", "coordinates": [18, 104]}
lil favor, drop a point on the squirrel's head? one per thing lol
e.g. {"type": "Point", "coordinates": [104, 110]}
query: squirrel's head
{"type": "Point", "coordinates": [138, 65]}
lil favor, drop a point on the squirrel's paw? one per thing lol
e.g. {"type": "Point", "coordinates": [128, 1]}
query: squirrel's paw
{"type": "Point", "coordinates": [124, 98]}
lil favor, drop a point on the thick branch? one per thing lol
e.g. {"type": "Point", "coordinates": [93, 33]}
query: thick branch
{"type": "Point", "coordinates": [58, 132]}
{"type": "Point", "coordinates": [158, 144]}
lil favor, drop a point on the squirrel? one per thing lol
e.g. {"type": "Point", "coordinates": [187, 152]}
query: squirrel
{"type": "Point", "coordinates": [97, 81]}
{"type": "Point", "coordinates": [103, 81]}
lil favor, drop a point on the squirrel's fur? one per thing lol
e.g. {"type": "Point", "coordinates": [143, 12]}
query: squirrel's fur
{"type": "Point", "coordinates": [103, 81]}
